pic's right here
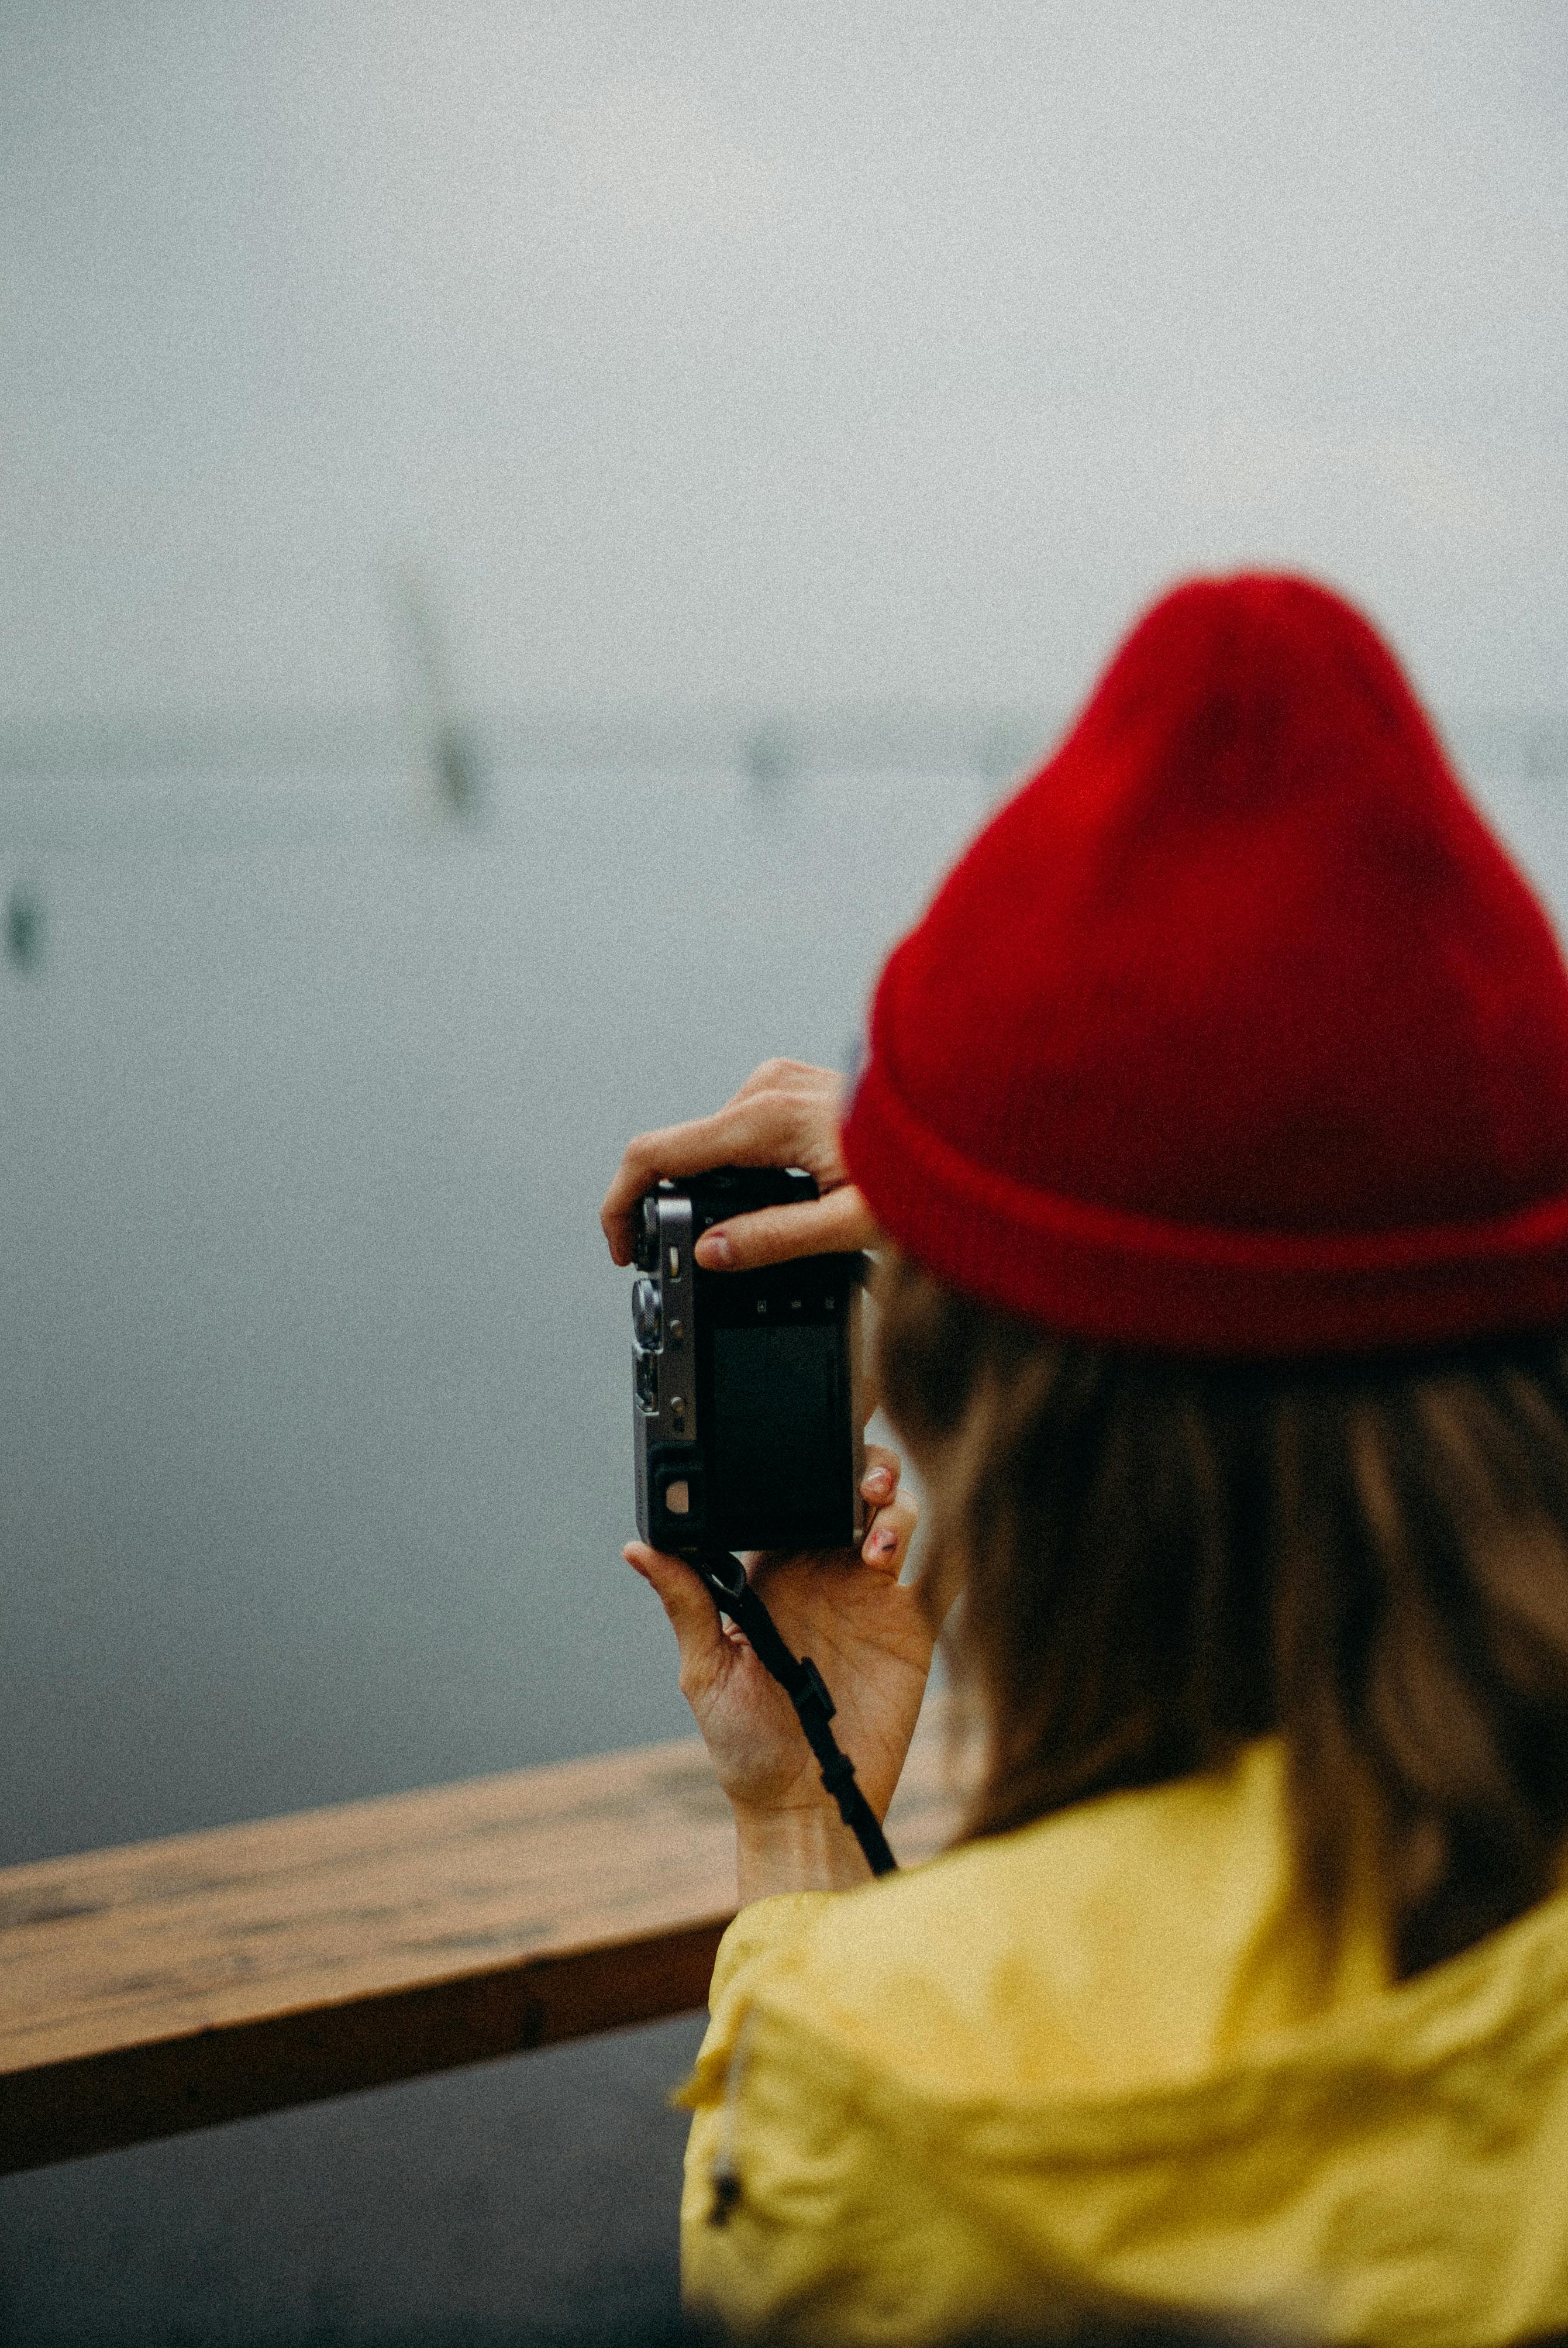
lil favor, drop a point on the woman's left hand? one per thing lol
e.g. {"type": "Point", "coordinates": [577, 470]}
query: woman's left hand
{"type": "Point", "coordinates": [867, 1633]}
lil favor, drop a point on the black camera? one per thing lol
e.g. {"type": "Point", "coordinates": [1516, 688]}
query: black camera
{"type": "Point", "coordinates": [748, 1424]}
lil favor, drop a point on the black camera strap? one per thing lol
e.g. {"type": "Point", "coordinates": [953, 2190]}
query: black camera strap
{"type": "Point", "coordinates": [803, 1684]}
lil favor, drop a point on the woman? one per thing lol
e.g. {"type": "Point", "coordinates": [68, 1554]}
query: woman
{"type": "Point", "coordinates": [1216, 1124]}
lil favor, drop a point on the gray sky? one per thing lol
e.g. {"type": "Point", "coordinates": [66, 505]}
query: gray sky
{"type": "Point", "coordinates": [786, 353]}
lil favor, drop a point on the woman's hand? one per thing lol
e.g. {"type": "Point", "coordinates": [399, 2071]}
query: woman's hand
{"type": "Point", "coordinates": [785, 1114]}
{"type": "Point", "coordinates": [868, 1636]}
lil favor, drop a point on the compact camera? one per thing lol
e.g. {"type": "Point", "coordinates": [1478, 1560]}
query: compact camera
{"type": "Point", "coordinates": [748, 1418]}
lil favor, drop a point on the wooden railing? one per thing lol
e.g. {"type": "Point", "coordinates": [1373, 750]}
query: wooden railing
{"type": "Point", "coordinates": [169, 1985]}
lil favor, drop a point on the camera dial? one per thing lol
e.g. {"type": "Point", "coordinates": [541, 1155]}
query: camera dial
{"type": "Point", "coordinates": [645, 1253]}
{"type": "Point", "coordinates": [647, 1314]}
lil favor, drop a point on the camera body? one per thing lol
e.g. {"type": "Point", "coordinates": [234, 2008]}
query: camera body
{"type": "Point", "coordinates": [748, 1415]}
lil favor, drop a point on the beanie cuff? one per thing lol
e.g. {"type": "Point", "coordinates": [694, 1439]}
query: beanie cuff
{"type": "Point", "coordinates": [1146, 1284]}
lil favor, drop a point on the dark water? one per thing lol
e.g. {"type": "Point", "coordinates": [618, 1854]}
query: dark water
{"type": "Point", "coordinates": [312, 1421]}
{"type": "Point", "coordinates": [525, 2201]}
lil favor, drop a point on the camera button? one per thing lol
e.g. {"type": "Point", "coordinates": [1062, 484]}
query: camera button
{"type": "Point", "coordinates": [645, 1312]}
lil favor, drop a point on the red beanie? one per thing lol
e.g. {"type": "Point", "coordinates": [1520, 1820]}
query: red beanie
{"type": "Point", "coordinates": [1234, 1031]}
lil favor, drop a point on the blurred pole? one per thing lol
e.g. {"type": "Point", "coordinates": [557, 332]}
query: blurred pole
{"type": "Point", "coordinates": [450, 757]}
{"type": "Point", "coordinates": [24, 928]}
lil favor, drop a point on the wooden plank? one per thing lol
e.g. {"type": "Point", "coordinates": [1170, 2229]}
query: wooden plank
{"type": "Point", "coordinates": [169, 1985]}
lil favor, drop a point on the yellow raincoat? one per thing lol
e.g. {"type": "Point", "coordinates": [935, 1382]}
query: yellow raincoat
{"type": "Point", "coordinates": [1093, 2058]}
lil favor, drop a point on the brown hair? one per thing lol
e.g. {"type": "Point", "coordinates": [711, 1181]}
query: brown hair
{"type": "Point", "coordinates": [1156, 1560]}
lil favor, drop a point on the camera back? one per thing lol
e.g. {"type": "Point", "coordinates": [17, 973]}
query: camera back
{"type": "Point", "coordinates": [748, 1411]}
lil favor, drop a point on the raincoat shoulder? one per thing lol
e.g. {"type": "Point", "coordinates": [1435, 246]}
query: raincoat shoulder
{"type": "Point", "coordinates": [1097, 2059]}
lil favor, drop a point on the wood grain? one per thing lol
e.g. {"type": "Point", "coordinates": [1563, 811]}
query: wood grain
{"type": "Point", "coordinates": [167, 1985]}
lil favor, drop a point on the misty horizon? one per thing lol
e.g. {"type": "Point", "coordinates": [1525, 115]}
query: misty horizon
{"type": "Point", "coordinates": [695, 354]}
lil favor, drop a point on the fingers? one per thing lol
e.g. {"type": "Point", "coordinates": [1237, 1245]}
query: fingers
{"type": "Point", "coordinates": [784, 1115]}
{"type": "Point", "coordinates": [763, 1129]}
{"type": "Point", "coordinates": [775, 1234]}
{"type": "Point", "coordinates": [892, 1528]}
{"type": "Point", "coordinates": [692, 1615]}
{"type": "Point", "coordinates": [799, 1077]}
{"type": "Point", "coordinates": [883, 1469]}
{"type": "Point", "coordinates": [888, 1535]}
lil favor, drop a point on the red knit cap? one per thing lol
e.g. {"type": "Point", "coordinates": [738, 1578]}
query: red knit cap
{"type": "Point", "coordinates": [1234, 1031]}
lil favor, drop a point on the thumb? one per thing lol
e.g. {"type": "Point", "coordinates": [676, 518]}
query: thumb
{"type": "Point", "coordinates": [694, 1617]}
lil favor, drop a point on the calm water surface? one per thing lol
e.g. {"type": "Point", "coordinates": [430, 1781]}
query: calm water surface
{"type": "Point", "coordinates": [313, 1388]}
{"type": "Point", "coordinates": [314, 1397]}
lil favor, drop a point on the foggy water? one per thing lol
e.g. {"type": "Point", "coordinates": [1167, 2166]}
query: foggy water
{"type": "Point", "coordinates": [314, 1395]}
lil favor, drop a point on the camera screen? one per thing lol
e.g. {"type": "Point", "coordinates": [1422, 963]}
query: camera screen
{"type": "Point", "coordinates": [784, 1459]}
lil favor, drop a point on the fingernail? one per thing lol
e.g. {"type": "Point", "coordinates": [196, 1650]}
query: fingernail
{"type": "Point", "coordinates": [714, 1250]}
{"type": "Point", "coordinates": [885, 1542]}
{"type": "Point", "coordinates": [878, 1483]}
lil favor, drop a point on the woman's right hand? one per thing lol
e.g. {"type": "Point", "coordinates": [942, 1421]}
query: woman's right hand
{"type": "Point", "coordinates": [785, 1114]}
{"type": "Point", "coordinates": [869, 1635]}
